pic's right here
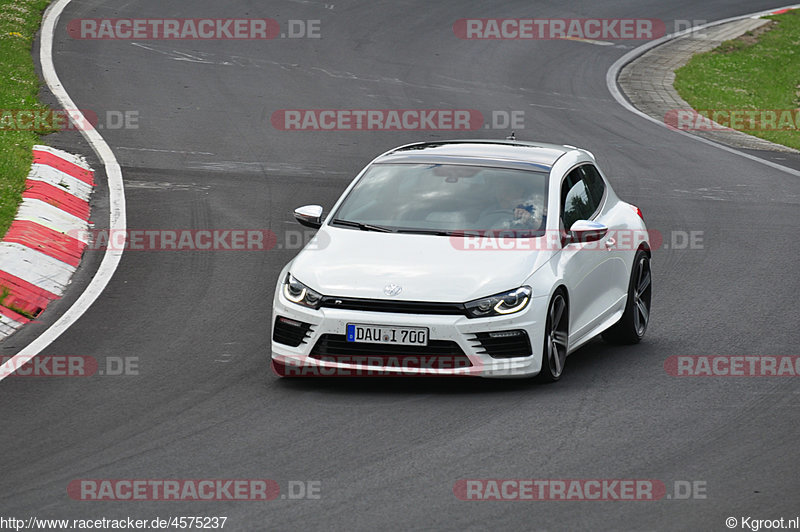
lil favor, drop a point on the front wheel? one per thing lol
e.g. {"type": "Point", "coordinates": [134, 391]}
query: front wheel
{"type": "Point", "coordinates": [632, 325]}
{"type": "Point", "coordinates": [556, 335]}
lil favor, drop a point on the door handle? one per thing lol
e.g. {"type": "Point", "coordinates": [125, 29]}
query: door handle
{"type": "Point", "coordinates": [610, 243]}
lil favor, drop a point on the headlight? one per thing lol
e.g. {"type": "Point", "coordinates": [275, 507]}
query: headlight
{"type": "Point", "coordinates": [297, 292]}
{"type": "Point", "coordinates": [497, 305]}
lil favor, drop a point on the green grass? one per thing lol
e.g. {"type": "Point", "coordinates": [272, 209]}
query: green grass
{"type": "Point", "coordinates": [19, 86]}
{"type": "Point", "coordinates": [742, 74]}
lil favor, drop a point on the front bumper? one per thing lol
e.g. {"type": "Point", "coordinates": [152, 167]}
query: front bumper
{"type": "Point", "coordinates": [458, 332]}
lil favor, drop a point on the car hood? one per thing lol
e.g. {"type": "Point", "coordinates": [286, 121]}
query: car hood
{"type": "Point", "coordinates": [353, 263]}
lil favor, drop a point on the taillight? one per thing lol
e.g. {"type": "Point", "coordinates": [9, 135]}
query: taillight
{"type": "Point", "coordinates": [638, 211]}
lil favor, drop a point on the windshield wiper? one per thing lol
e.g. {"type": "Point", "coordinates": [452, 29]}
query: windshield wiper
{"type": "Point", "coordinates": [438, 232]}
{"type": "Point", "coordinates": [362, 226]}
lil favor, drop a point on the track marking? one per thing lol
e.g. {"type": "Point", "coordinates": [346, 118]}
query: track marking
{"type": "Point", "coordinates": [613, 88]}
{"type": "Point", "coordinates": [165, 151]}
{"type": "Point", "coordinates": [117, 219]}
{"type": "Point", "coordinates": [588, 41]}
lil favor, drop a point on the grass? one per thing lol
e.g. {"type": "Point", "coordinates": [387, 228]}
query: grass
{"type": "Point", "coordinates": [19, 87]}
{"type": "Point", "coordinates": [760, 71]}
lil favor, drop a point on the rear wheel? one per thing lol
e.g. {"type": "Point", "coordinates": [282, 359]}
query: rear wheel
{"type": "Point", "coordinates": [556, 335]}
{"type": "Point", "coordinates": [632, 325]}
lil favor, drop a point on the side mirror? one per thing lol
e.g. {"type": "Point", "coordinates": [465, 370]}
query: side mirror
{"type": "Point", "coordinates": [309, 215]}
{"type": "Point", "coordinates": [583, 231]}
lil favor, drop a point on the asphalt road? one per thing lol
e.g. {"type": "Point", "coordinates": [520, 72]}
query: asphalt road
{"type": "Point", "coordinates": [388, 452]}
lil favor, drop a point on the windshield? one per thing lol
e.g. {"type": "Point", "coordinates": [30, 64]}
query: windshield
{"type": "Point", "coordinates": [446, 199]}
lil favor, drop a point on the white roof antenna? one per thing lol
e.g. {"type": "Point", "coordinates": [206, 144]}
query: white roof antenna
{"type": "Point", "coordinates": [512, 136]}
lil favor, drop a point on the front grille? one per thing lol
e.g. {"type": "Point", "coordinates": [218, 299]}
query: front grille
{"type": "Point", "coordinates": [438, 354]}
{"type": "Point", "coordinates": [503, 344]}
{"type": "Point", "coordinates": [400, 307]}
{"type": "Point", "coordinates": [290, 332]}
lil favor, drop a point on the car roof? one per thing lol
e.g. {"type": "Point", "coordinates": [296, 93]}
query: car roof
{"type": "Point", "coordinates": [500, 153]}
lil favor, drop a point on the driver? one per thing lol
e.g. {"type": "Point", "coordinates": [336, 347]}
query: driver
{"type": "Point", "coordinates": [510, 210]}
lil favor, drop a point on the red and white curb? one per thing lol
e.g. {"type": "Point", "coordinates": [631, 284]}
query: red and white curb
{"type": "Point", "coordinates": [39, 254]}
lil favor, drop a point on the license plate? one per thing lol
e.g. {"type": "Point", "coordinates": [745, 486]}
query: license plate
{"type": "Point", "coordinates": [387, 334]}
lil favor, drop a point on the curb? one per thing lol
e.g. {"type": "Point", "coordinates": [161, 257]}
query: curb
{"type": "Point", "coordinates": [647, 81]}
{"type": "Point", "coordinates": [39, 253]}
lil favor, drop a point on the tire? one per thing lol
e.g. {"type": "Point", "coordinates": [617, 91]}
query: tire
{"type": "Point", "coordinates": [556, 337]}
{"type": "Point", "coordinates": [632, 325]}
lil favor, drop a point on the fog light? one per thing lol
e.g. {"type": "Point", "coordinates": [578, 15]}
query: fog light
{"type": "Point", "coordinates": [504, 334]}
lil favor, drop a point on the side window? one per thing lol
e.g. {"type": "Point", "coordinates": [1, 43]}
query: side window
{"type": "Point", "coordinates": [581, 194]}
{"type": "Point", "coordinates": [594, 183]}
{"type": "Point", "coordinates": [575, 201]}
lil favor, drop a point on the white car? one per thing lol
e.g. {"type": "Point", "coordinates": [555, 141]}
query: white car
{"type": "Point", "coordinates": [454, 258]}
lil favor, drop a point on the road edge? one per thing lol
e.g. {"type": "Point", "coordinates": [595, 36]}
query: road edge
{"type": "Point", "coordinates": [117, 213]}
{"type": "Point", "coordinates": [44, 244]}
{"type": "Point", "coordinates": [614, 70]}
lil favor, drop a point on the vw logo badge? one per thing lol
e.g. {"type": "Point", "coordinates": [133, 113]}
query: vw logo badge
{"type": "Point", "coordinates": [392, 289]}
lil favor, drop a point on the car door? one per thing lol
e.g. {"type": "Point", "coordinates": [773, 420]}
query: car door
{"type": "Point", "coordinates": [586, 267]}
{"type": "Point", "coordinates": [616, 244]}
